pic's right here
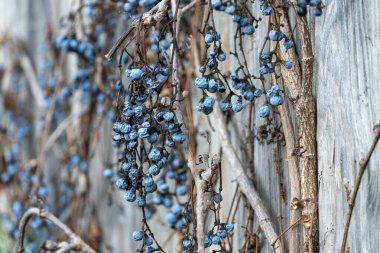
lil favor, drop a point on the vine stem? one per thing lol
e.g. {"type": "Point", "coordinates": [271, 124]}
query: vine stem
{"type": "Point", "coordinates": [75, 240]}
{"type": "Point", "coordinates": [351, 203]}
{"type": "Point", "coordinates": [189, 145]}
{"type": "Point", "coordinates": [299, 82]}
{"type": "Point", "coordinates": [245, 184]}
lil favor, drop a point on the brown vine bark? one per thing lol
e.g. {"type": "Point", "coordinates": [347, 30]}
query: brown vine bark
{"type": "Point", "coordinates": [299, 82]}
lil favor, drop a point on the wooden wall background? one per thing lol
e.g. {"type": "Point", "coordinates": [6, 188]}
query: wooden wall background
{"type": "Point", "coordinates": [347, 91]}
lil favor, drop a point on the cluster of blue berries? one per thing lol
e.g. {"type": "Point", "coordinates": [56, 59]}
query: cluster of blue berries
{"type": "Point", "coordinates": [215, 238]}
{"type": "Point", "coordinates": [76, 161]}
{"type": "Point", "coordinates": [12, 166]}
{"type": "Point", "coordinates": [158, 43]}
{"type": "Point", "coordinates": [317, 6]}
{"type": "Point", "coordinates": [275, 99]}
{"type": "Point", "coordinates": [82, 48]}
{"type": "Point", "coordinates": [237, 14]}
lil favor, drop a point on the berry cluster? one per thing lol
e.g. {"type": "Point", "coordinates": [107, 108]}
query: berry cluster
{"type": "Point", "coordinates": [317, 6]}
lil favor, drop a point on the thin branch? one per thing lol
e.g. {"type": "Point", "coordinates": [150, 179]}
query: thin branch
{"type": "Point", "coordinates": [189, 145]}
{"type": "Point", "coordinates": [351, 203]}
{"type": "Point", "coordinates": [294, 175]}
{"type": "Point", "coordinates": [32, 80]}
{"type": "Point", "coordinates": [150, 18]}
{"type": "Point", "coordinates": [59, 130]}
{"type": "Point", "coordinates": [74, 238]}
{"type": "Point", "coordinates": [290, 227]}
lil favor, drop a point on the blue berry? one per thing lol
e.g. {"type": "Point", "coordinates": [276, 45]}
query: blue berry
{"type": "Point", "coordinates": [237, 107]}
{"type": "Point", "coordinates": [212, 86]}
{"type": "Point", "coordinates": [302, 3]}
{"type": "Point", "coordinates": [243, 21]}
{"type": "Point", "coordinates": [153, 137]}
{"type": "Point", "coordinates": [225, 105]}
{"type": "Point", "coordinates": [130, 196]}
{"type": "Point", "coordinates": [155, 154]}
{"type": "Point", "coordinates": [171, 218]}
{"type": "Point", "coordinates": [201, 82]}
{"type": "Point", "coordinates": [215, 239]}
{"type": "Point", "coordinates": [181, 190]}
{"type": "Point", "coordinates": [165, 44]}
{"type": "Point", "coordinates": [107, 173]}
{"type": "Point", "coordinates": [288, 43]}
{"type": "Point", "coordinates": [230, 9]}
{"type": "Point", "coordinates": [140, 202]}
{"type": "Point", "coordinates": [263, 70]}
{"type": "Point", "coordinates": [276, 35]}
{"type": "Point", "coordinates": [222, 57]}
{"type": "Point", "coordinates": [236, 18]}
{"type": "Point", "coordinates": [264, 111]}
{"type": "Point", "coordinates": [273, 91]}
{"type": "Point", "coordinates": [135, 74]}
{"type": "Point", "coordinates": [249, 95]}
{"type": "Point", "coordinates": [265, 56]}
{"type": "Point", "coordinates": [317, 12]}
{"type": "Point", "coordinates": [208, 101]}
{"type": "Point", "coordinates": [276, 100]}
{"type": "Point", "coordinates": [216, 4]}
{"type": "Point", "coordinates": [217, 198]}
{"type": "Point", "coordinates": [187, 243]}
{"type": "Point", "coordinates": [314, 3]}
{"type": "Point", "coordinates": [265, 8]}
{"type": "Point", "coordinates": [150, 189]}
{"type": "Point", "coordinates": [169, 116]}
{"type": "Point", "coordinates": [148, 241]}
{"type": "Point", "coordinates": [168, 202]}
{"type": "Point", "coordinates": [208, 241]}
{"type": "Point", "coordinates": [177, 209]}
{"type": "Point", "coordinates": [149, 249]}
{"type": "Point", "coordinates": [138, 235]}
{"type": "Point", "coordinates": [169, 142]}
{"type": "Point", "coordinates": [42, 192]}
{"type": "Point", "coordinates": [222, 233]}
{"type": "Point", "coordinates": [288, 64]}
{"type": "Point", "coordinates": [148, 181]}
{"type": "Point", "coordinates": [230, 227]}
{"type": "Point", "coordinates": [249, 30]}
{"type": "Point", "coordinates": [257, 93]}
{"type": "Point", "coordinates": [180, 224]}
{"type": "Point", "coordinates": [121, 183]}
{"type": "Point", "coordinates": [302, 11]}
{"type": "Point", "coordinates": [128, 7]}
{"type": "Point", "coordinates": [179, 137]}
{"type": "Point", "coordinates": [209, 38]}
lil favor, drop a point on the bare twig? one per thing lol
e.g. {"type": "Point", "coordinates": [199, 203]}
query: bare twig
{"type": "Point", "coordinates": [32, 80]}
{"type": "Point", "coordinates": [351, 203]}
{"type": "Point", "coordinates": [59, 130]}
{"type": "Point", "coordinates": [74, 238]}
{"type": "Point", "coordinates": [294, 175]}
{"type": "Point", "coordinates": [150, 18]}
{"type": "Point", "coordinates": [290, 227]}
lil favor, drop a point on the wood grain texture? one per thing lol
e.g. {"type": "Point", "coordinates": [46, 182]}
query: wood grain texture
{"type": "Point", "coordinates": [347, 52]}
